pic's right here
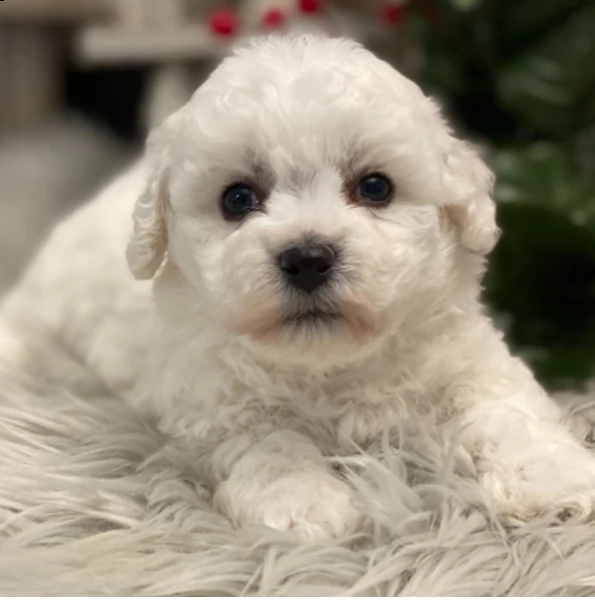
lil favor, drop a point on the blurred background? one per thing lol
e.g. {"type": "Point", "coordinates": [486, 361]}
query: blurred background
{"type": "Point", "coordinates": [82, 81]}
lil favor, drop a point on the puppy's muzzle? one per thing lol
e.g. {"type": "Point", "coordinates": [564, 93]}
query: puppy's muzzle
{"type": "Point", "coordinates": [308, 265]}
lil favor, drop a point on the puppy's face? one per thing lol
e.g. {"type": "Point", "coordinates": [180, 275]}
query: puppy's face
{"type": "Point", "coordinates": [313, 200]}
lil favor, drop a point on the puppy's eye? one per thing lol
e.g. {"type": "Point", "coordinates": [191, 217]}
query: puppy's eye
{"type": "Point", "coordinates": [238, 200]}
{"type": "Point", "coordinates": [375, 188]}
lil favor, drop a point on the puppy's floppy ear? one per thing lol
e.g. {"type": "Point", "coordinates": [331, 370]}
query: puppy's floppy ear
{"type": "Point", "coordinates": [148, 244]}
{"type": "Point", "coordinates": [469, 186]}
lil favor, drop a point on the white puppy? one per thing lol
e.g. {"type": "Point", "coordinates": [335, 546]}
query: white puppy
{"type": "Point", "coordinates": [316, 237]}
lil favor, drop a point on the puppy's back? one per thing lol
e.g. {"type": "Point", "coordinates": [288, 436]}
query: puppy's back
{"type": "Point", "coordinates": [78, 297]}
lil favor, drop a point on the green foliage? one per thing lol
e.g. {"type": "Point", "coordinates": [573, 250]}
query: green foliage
{"type": "Point", "coordinates": [542, 174]}
{"type": "Point", "coordinates": [542, 273]}
{"type": "Point", "coordinates": [551, 84]}
{"type": "Point", "coordinates": [521, 76]}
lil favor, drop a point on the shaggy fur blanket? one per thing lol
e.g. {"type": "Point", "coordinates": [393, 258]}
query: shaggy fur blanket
{"type": "Point", "coordinates": [95, 501]}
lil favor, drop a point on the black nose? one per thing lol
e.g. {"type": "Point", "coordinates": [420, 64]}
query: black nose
{"type": "Point", "coordinates": [307, 266]}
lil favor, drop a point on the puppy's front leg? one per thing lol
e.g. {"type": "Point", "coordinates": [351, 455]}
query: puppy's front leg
{"type": "Point", "coordinates": [528, 461]}
{"type": "Point", "coordinates": [284, 482]}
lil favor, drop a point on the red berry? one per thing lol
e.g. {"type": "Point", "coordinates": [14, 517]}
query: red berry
{"type": "Point", "coordinates": [310, 6]}
{"type": "Point", "coordinates": [273, 18]}
{"type": "Point", "coordinates": [392, 13]}
{"type": "Point", "coordinates": [224, 22]}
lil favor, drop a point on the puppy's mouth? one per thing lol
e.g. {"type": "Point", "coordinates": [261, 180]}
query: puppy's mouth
{"type": "Point", "coordinates": [312, 317]}
{"type": "Point", "coordinates": [269, 324]}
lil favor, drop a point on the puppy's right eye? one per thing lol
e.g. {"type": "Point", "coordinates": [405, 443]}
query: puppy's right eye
{"type": "Point", "coordinates": [238, 200]}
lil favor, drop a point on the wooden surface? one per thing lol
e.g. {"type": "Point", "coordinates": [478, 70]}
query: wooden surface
{"type": "Point", "coordinates": [53, 10]}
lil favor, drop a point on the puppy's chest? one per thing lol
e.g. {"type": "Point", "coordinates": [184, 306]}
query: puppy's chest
{"type": "Point", "coordinates": [355, 410]}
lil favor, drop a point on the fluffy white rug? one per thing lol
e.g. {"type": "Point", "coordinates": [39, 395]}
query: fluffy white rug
{"type": "Point", "coordinates": [94, 501]}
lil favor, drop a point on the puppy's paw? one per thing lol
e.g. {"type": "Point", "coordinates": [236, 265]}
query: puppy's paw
{"type": "Point", "coordinates": [561, 486]}
{"type": "Point", "coordinates": [313, 505]}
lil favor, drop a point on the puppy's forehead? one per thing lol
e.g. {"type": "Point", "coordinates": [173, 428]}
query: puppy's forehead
{"type": "Point", "coordinates": [303, 99]}
{"type": "Point", "coordinates": [289, 58]}
{"type": "Point", "coordinates": [307, 72]}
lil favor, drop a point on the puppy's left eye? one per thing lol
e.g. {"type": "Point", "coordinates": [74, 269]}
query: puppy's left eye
{"type": "Point", "coordinates": [375, 188]}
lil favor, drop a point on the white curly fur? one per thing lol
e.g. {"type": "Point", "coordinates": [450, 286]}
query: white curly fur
{"type": "Point", "coordinates": [215, 351]}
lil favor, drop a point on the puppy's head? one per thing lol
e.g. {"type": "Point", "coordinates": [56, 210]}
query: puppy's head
{"type": "Point", "coordinates": [313, 200]}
